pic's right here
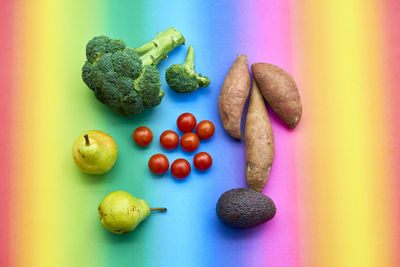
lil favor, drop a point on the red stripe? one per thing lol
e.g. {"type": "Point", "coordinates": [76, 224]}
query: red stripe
{"type": "Point", "coordinates": [392, 72]}
{"type": "Point", "coordinates": [6, 67]}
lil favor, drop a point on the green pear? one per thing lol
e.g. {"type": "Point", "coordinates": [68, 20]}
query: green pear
{"type": "Point", "coordinates": [120, 212]}
{"type": "Point", "coordinates": [94, 152]}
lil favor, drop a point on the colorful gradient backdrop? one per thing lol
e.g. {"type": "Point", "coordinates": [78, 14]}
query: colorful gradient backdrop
{"type": "Point", "coordinates": [334, 180]}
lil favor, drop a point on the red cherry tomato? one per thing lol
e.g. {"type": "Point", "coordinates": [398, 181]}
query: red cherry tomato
{"type": "Point", "coordinates": [158, 164]}
{"type": "Point", "coordinates": [142, 136]}
{"type": "Point", "coordinates": [169, 139]}
{"type": "Point", "coordinates": [205, 129]}
{"type": "Point", "coordinates": [186, 122]}
{"type": "Point", "coordinates": [202, 161]}
{"type": "Point", "coordinates": [190, 142]}
{"type": "Point", "coordinates": [180, 168]}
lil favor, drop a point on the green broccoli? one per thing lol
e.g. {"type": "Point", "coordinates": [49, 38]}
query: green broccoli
{"type": "Point", "coordinates": [126, 79]}
{"type": "Point", "coordinates": [182, 78]}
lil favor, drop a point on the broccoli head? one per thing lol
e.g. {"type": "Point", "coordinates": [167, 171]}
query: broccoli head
{"type": "Point", "coordinates": [126, 79]}
{"type": "Point", "coordinates": [182, 78]}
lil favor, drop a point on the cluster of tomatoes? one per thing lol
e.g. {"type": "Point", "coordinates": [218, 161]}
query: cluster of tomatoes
{"type": "Point", "coordinates": [180, 168]}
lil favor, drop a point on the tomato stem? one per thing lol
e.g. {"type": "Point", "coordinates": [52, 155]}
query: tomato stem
{"type": "Point", "coordinates": [158, 209]}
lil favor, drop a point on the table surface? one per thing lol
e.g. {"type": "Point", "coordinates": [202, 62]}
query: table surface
{"type": "Point", "coordinates": [334, 179]}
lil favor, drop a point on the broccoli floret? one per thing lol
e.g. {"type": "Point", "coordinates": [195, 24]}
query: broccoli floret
{"type": "Point", "coordinates": [183, 78]}
{"type": "Point", "coordinates": [126, 79]}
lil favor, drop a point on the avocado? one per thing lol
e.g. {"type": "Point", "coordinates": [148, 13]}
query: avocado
{"type": "Point", "coordinates": [244, 208]}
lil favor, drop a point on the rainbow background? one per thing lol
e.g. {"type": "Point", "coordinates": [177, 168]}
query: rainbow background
{"type": "Point", "coordinates": [335, 178]}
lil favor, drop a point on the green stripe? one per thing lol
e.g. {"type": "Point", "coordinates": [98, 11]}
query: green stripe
{"type": "Point", "coordinates": [124, 19]}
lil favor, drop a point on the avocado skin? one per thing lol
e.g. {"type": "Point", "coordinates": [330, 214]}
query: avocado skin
{"type": "Point", "coordinates": [244, 208]}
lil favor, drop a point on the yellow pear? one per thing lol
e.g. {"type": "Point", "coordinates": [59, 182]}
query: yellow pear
{"type": "Point", "coordinates": [94, 152]}
{"type": "Point", "coordinates": [120, 212]}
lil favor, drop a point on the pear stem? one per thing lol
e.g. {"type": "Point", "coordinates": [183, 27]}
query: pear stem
{"type": "Point", "coordinates": [87, 139]}
{"type": "Point", "coordinates": [159, 209]}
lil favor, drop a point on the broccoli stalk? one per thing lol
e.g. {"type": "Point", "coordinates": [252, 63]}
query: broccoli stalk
{"type": "Point", "coordinates": [183, 78]}
{"type": "Point", "coordinates": [158, 48]}
{"type": "Point", "coordinates": [126, 79]}
{"type": "Point", "coordinates": [189, 65]}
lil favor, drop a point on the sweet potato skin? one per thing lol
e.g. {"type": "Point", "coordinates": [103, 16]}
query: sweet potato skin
{"type": "Point", "coordinates": [233, 96]}
{"type": "Point", "coordinates": [280, 91]}
{"type": "Point", "coordinates": [259, 140]}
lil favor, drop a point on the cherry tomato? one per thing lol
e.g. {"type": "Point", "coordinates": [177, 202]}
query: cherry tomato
{"type": "Point", "coordinates": [158, 164]}
{"type": "Point", "coordinates": [169, 139]}
{"type": "Point", "coordinates": [142, 136]}
{"type": "Point", "coordinates": [202, 161]}
{"type": "Point", "coordinates": [205, 129]}
{"type": "Point", "coordinates": [190, 142]}
{"type": "Point", "coordinates": [186, 122]}
{"type": "Point", "coordinates": [180, 168]}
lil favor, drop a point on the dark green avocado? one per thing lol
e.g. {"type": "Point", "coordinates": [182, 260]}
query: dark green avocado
{"type": "Point", "coordinates": [245, 208]}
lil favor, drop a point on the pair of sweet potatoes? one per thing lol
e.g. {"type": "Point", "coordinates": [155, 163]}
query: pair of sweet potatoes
{"type": "Point", "coordinates": [279, 90]}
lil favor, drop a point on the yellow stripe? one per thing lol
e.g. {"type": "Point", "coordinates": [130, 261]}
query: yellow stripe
{"type": "Point", "coordinates": [47, 217]}
{"type": "Point", "coordinates": [344, 220]}
{"type": "Point", "coordinates": [39, 226]}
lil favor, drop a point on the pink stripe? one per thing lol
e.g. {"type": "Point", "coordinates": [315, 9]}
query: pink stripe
{"type": "Point", "coordinates": [6, 22]}
{"type": "Point", "coordinates": [267, 34]}
{"type": "Point", "coordinates": [392, 29]}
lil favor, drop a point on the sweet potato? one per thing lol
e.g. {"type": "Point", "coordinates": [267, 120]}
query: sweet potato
{"type": "Point", "coordinates": [259, 140]}
{"type": "Point", "coordinates": [280, 91]}
{"type": "Point", "coordinates": [233, 96]}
